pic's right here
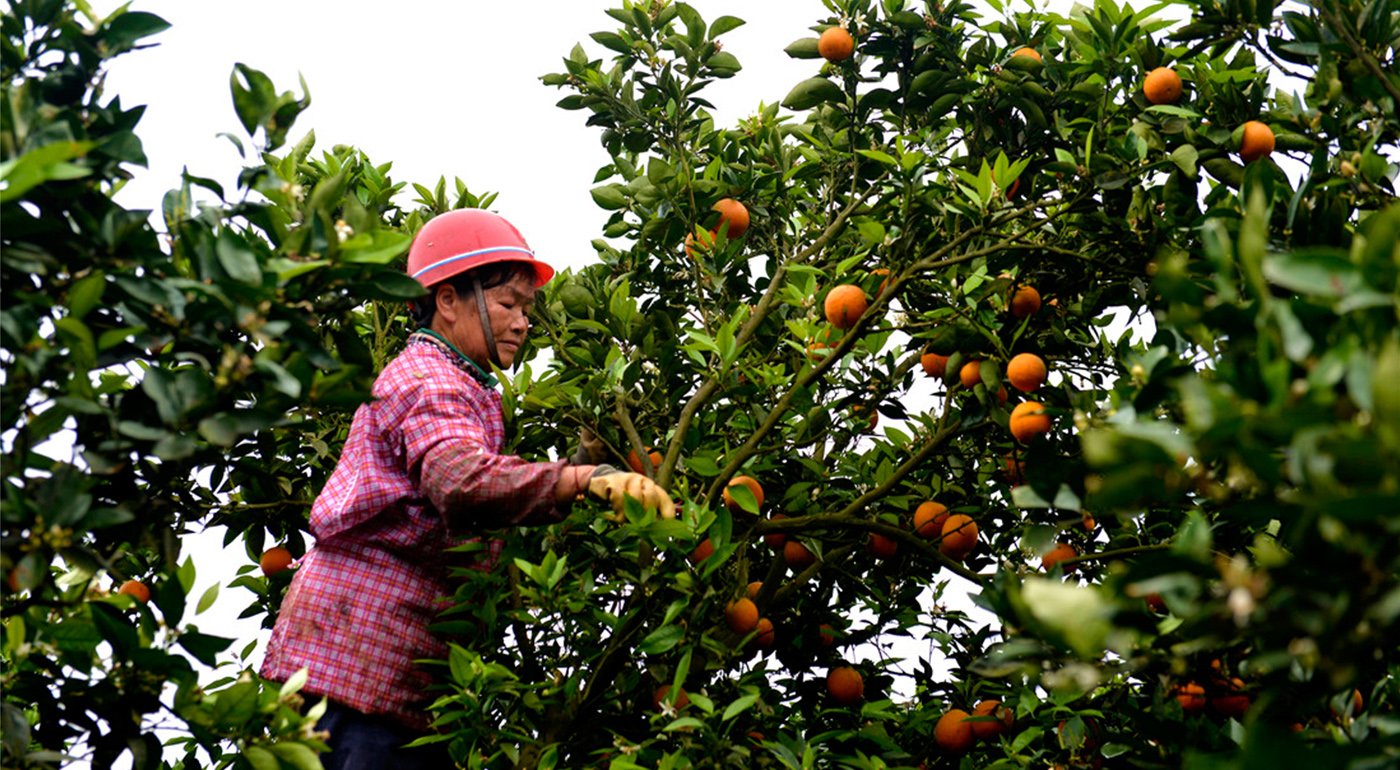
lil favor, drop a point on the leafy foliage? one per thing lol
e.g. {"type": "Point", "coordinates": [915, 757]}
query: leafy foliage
{"type": "Point", "coordinates": [1227, 476]}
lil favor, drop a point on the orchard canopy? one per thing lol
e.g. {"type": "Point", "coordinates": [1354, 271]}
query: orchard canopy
{"type": "Point", "coordinates": [1059, 351]}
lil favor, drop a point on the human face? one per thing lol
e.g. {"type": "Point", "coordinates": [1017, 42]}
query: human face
{"type": "Point", "coordinates": [507, 308]}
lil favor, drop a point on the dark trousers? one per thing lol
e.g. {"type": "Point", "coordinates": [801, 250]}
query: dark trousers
{"type": "Point", "coordinates": [361, 741]}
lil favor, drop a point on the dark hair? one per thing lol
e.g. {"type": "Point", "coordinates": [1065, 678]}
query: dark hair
{"type": "Point", "coordinates": [495, 274]}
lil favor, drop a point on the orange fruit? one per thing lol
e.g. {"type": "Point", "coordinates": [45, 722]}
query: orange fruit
{"type": "Point", "coordinates": [766, 637]}
{"type": "Point", "coordinates": [1156, 603]}
{"type": "Point", "coordinates": [1026, 372]}
{"type": "Point", "coordinates": [1001, 395]}
{"type": "Point", "coordinates": [845, 685]}
{"type": "Point", "coordinates": [775, 539]}
{"type": "Point", "coordinates": [992, 708]}
{"type": "Point", "coordinates": [970, 374]}
{"type": "Point", "coordinates": [934, 364]}
{"type": "Point", "coordinates": [136, 589]}
{"type": "Point", "coordinates": [836, 44]}
{"type": "Point", "coordinates": [844, 304]}
{"type": "Point", "coordinates": [882, 546]}
{"type": "Point", "coordinates": [1356, 704]}
{"type": "Point", "coordinates": [274, 560]}
{"type": "Point", "coordinates": [1059, 553]}
{"type": "Point", "coordinates": [705, 550]}
{"type": "Point", "coordinates": [885, 271]}
{"type": "Point", "coordinates": [826, 635]}
{"type": "Point", "coordinates": [1028, 420]}
{"type": "Point", "coordinates": [857, 410]}
{"type": "Point", "coordinates": [1162, 86]}
{"type": "Point", "coordinates": [733, 215]}
{"type": "Point", "coordinates": [1025, 302]}
{"type": "Point", "coordinates": [741, 615]}
{"type": "Point", "coordinates": [929, 518]}
{"type": "Point", "coordinates": [635, 463]}
{"type": "Point", "coordinates": [1191, 696]}
{"type": "Point", "coordinates": [959, 536]}
{"type": "Point", "coordinates": [1015, 186]}
{"type": "Point", "coordinates": [1031, 52]}
{"type": "Point", "coordinates": [658, 696]}
{"type": "Point", "coordinates": [694, 247]}
{"type": "Point", "coordinates": [953, 733]}
{"type": "Point", "coordinates": [1257, 141]}
{"type": "Point", "coordinates": [1088, 522]}
{"type": "Point", "coordinates": [753, 589]}
{"type": "Point", "coordinates": [797, 556]}
{"type": "Point", "coordinates": [1013, 470]}
{"type": "Point", "coordinates": [732, 504]}
{"type": "Point", "coordinates": [1233, 702]}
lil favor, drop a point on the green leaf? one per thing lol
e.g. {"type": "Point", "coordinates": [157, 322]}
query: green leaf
{"type": "Point", "coordinates": [44, 164]}
{"type": "Point", "coordinates": [725, 24]}
{"type": "Point", "coordinates": [739, 706]}
{"type": "Point", "coordinates": [1317, 272]}
{"type": "Point", "coordinates": [724, 65]}
{"type": "Point", "coordinates": [207, 599]}
{"type": "Point", "coordinates": [1185, 158]}
{"type": "Point", "coordinates": [878, 156]}
{"type": "Point", "coordinates": [204, 647]}
{"type": "Point", "coordinates": [811, 92]}
{"type": "Point", "coordinates": [1077, 615]}
{"type": "Point", "coordinates": [237, 259]}
{"type": "Point", "coordinates": [294, 682]}
{"type": "Point", "coordinates": [380, 248]}
{"type": "Point", "coordinates": [610, 197]}
{"type": "Point", "coordinates": [803, 48]}
{"type": "Point", "coordinates": [661, 640]}
{"type": "Point", "coordinates": [260, 758]}
{"type": "Point", "coordinates": [298, 755]}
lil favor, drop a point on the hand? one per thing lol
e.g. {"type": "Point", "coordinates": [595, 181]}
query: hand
{"type": "Point", "coordinates": [614, 487]}
{"type": "Point", "coordinates": [591, 449]}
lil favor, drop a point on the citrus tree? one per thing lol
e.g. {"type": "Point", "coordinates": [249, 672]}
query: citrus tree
{"type": "Point", "coordinates": [864, 341]}
{"type": "Point", "coordinates": [161, 374]}
{"type": "Point", "coordinates": [867, 340]}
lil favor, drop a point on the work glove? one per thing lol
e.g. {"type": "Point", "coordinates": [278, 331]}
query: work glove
{"type": "Point", "coordinates": [591, 449]}
{"type": "Point", "coordinates": [612, 485]}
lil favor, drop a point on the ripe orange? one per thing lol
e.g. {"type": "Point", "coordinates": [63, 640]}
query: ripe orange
{"type": "Point", "coordinates": [1031, 52]}
{"type": "Point", "coordinates": [885, 271]}
{"type": "Point", "coordinates": [658, 696]}
{"type": "Point", "coordinates": [1059, 553]}
{"type": "Point", "coordinates": [836, 44]}
{"type": "Point", "coordinates": [971, 373]}
{"type": "Point", "coordinates": [857, 410]}
{"type": "Point", "coordinates": [1013, 470]}
{"type": "Point", "coordinates": [1191, 696]}
{"type": "Point", "coordinates": [732, 504]}
{"type": "Point", "coordinates": [1026, 372]}
{"type": "Point", "coordinates": [845, 685]}
{"type": "Point", "coordinates": [934, 364]}
{"type": "Point", "coordinates": [1088, 522]}
{"type": "Point", "coordinates": [733, 214]}
{"type": "Point", "coordinates": [754, 589]}
{"type": "Point", "coordinates": [136, 589]}
{"type": "Point", "coordinates": [1001, 395]}
{"type": "Point", "coordinates": [1028, 420]}
{"type": "Point", "coordinates": [797, 556]}
{"type": "Point", "coordinates": [1234, 702]}
{"type": "Point", "coordinates": [1256, 142]}
{"type": "Point", "coordinates": [741, 615]}
{"type": "Point", "coordinates": [775, 539]}
{"type": "Point", "coordinates": [953, 733]}
{"type": "Point", "coordinates": [1012, 190]}
{"type": "Point", "coordinates": [696, 246]}
{"type": "Point", "coordinates": [274, 560]}
{"type": "Point", "coordinates": [1005, 718]}
{"type": "Point", "coordinates": [959, 536]}
{"type": "Point", "coordinates": [1156, 603]}
{"type": "Point", "coordinates": [929, 518]}
{"type": "Point", "coordinates": [1025, 302]}
{"type": "Point", "coordinates": [826, 635]}
{"type": "Point", "coordinates": [844, 304]}
{"type": "Point", "coordinates": [705, 550]}
{"type": "Point", "coordinates": [882, 546]}
{"type": "Point", "coordinates": [635, 463]}
{"type": "Point", "coordinates": [1162, 86]}
{"type": "Point", "coordinates": [766, 637]}
{"type": "Point", "coordinates": [1356, 704]}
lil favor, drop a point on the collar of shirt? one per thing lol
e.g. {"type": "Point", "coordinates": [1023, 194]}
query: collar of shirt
{"type": "Point", "coordinates": [459, 358]}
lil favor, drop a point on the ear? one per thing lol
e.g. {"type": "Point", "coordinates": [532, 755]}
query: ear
{"type": "Point", "coordinates": [447, 302]}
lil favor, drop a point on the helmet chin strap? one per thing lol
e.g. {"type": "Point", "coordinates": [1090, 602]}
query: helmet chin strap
{"type": "Point", "coordinates": [491, 351]}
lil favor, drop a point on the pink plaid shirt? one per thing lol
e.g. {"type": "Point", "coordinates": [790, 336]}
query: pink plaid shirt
{"type": "Point", "coordinates": [420, 472]}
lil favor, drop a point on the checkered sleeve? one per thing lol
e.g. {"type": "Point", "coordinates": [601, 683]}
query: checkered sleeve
{"type": "Point", "coordinates": [447, 439]}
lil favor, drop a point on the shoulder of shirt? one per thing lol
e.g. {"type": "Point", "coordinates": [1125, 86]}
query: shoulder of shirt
{"type": "Point", "coordinates": [423, 366]}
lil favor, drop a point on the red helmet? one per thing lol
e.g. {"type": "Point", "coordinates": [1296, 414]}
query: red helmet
{"type": "Point", "coordinates": [458, 241]}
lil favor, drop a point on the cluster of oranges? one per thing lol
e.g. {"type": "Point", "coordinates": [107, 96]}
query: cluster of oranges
{"type": "Point", "coordinates": [957, 730]}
